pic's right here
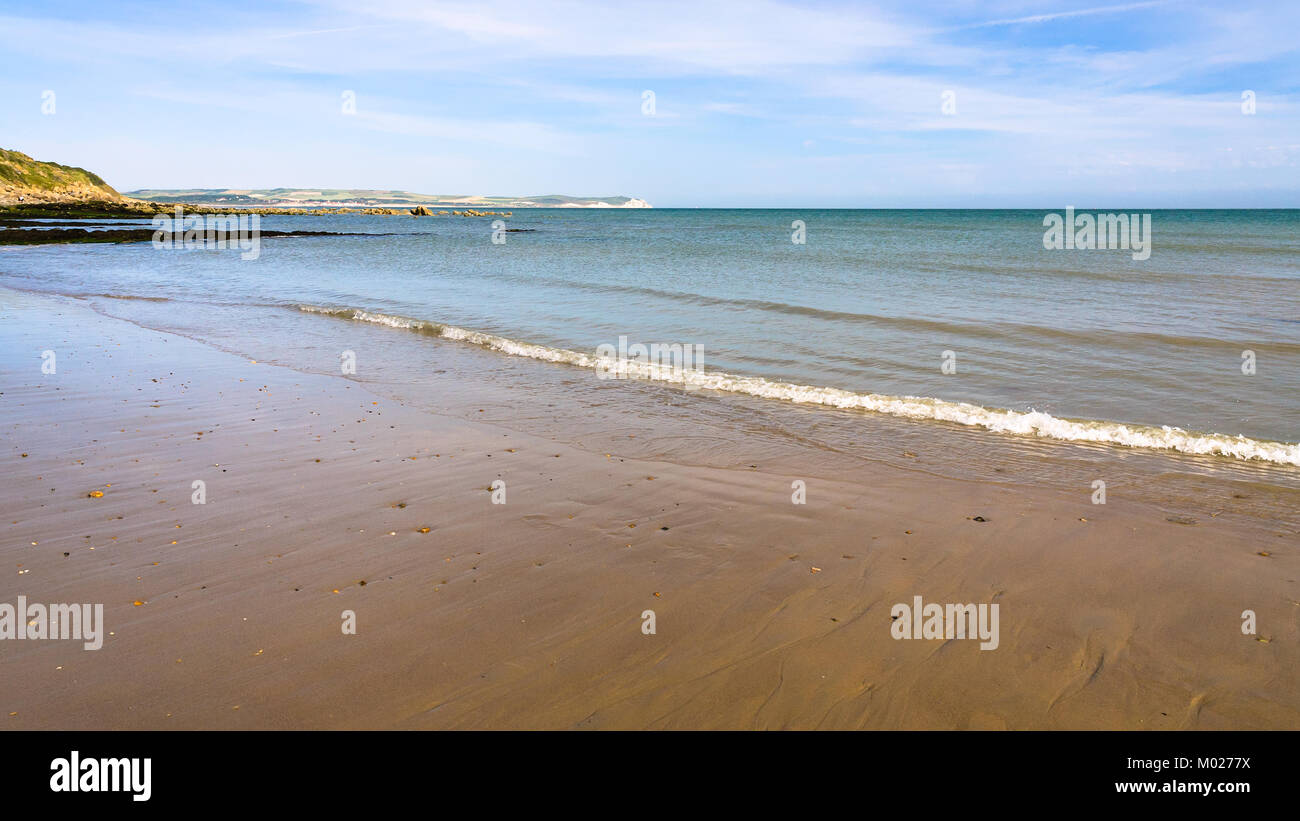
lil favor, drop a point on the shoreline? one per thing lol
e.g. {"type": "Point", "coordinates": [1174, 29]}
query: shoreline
{"type": "Point", "coordinates": [1272, 460]}
{"type": "Point", "coordinates": [998, 420]}
{"type": "Point", "coordinates": [529, 613]}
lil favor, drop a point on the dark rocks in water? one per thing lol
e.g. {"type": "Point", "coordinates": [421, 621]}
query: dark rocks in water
{"type": "Point", "coordinates": [59, 236]}
{"type": "Point", "coordinates": [421, 211]}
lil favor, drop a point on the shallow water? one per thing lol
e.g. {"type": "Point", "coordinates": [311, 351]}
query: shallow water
{"type": "Point", "coordinates": [1076, 345]}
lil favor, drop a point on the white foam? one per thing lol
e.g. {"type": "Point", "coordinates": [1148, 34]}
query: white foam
{"type": "Point", "coordinates": [1026, 423]}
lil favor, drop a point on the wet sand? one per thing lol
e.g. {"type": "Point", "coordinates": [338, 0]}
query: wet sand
{"type": "Point", "coordinates": [528, 614]}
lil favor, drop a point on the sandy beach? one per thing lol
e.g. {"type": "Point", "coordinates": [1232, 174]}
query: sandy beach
{"type": "Point", "coordinates": [529, 613]}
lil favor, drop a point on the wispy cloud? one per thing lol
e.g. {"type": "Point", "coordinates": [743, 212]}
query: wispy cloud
{"type": "Point", "coordinates": [1064, 15]}
{"type": "Point", "coordinates": [546, 95]}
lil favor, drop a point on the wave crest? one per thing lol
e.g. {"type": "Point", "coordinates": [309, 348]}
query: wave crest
{"type": "Point", "coordinates": [1025, 423]}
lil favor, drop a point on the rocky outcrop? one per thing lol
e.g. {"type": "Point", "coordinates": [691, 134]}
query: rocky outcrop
{"type": "Point", "coordinates": [28, 181]}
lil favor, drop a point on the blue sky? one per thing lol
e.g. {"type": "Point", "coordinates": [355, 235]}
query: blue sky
{"type": "Point", "coordinates": [757, 103]}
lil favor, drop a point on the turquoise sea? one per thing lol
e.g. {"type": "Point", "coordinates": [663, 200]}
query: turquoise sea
{"type": "Point", "coordinates": [1192, 352]}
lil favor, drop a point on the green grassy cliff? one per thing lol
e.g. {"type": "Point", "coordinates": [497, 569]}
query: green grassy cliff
{"type": "Point", "coordinates": [23, 179]}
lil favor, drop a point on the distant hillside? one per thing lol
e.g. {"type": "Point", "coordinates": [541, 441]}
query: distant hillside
{"type": "Point", "coordinates": [26, 183]}
{"type": "Point", "coordinates": [23, 179]}
{"type": "Point", "coordinates": [367, 198]}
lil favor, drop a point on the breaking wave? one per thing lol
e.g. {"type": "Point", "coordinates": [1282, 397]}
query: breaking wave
{"type": "Point", "coordinates": [1025, 423]}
